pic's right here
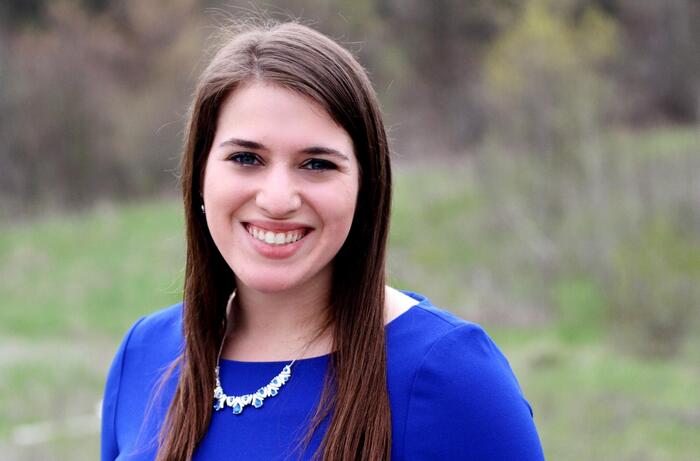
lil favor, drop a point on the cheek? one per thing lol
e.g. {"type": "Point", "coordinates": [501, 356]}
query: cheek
{"type": "Point", "coordinates": [339, 206]}
{"type": "Point", "coordinates": [224, 191]}
{"type": "Point", "coordinates": [214, 179]}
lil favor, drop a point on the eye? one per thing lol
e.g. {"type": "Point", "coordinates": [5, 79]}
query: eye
{"type": "Point", "coordinates": [245, 158]}
{"type": "Point", "coordinates": [317, 164]}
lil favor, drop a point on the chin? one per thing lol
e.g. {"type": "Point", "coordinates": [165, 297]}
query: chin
{"type": "Point", "coordinates": [269, 284]}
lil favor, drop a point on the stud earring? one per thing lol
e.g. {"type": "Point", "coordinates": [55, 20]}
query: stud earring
{"type": "Point", "coordinates": [203, 212]}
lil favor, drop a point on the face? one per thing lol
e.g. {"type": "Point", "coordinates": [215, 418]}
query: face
{"type": "Point", "coordinates": [280, 188]}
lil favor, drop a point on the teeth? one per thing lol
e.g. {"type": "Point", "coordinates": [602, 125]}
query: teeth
{"type": "Point", "coordinates": [275, 238]}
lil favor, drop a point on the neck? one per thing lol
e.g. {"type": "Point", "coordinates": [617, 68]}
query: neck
{"type": "Point", "coordinates": [280, 325]}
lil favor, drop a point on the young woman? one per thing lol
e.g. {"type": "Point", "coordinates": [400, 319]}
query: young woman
{"type": "Point", "coordinates": [288, 344]}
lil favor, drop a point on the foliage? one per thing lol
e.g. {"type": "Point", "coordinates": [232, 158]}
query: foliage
{"type": "Point", "coordinates": [92, 108]}
{"type": "Point", "coordinates": [104, 86]}
{"type": "Point", "coordinates": [580, 307]}
{"type": "Point", "coordinates": [660, 70]}
{"type": "Point", "coordinates": [542, 79]}
{"type": "Point", "coordinates": [655, 294]}
{"type": "Point", "coordinates": [583, 203]}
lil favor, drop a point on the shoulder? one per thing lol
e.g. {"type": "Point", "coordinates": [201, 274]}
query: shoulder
{"type": "Point", "coordinates": [424, 326]}
{"type": "Point", "coordinates": [428, 340]}
{"type": "Point", "coordinates": [160, 330]}
{"type": "Point", "coordinates": [150, 345]}
{"type": "Point", "coordinates": [463, 400]}
{"type": "Point", "coordinates": [145, 353]}
{"type": "Point", "coordinates": [428, 345]}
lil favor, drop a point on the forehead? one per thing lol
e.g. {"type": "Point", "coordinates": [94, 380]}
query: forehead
{"type": "Point", "coordinates": [276, 116]}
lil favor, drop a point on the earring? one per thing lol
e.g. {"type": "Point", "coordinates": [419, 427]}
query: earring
{"type": "Point", "coordinates": [203, 212]}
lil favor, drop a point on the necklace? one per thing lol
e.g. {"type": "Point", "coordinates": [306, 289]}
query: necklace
{"type": "Point", "coordinates": [239, 402]}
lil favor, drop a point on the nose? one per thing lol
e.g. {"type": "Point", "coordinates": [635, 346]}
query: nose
{"type": "Point", "coordinates": [278, 195]}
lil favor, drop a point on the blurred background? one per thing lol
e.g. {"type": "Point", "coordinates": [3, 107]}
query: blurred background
{"type": "Point", "coordinates": [547, 162]}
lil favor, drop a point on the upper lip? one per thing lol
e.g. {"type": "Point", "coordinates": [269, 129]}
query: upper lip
{"type": "Point", "coordinates": [282, 226]}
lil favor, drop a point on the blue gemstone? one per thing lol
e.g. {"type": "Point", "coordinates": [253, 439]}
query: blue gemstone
{"type": "Point", "coordinates": [218, 405]}
{"type": "Point", "coordinates": [237, 409]}
{"type": "Point", "coordinates": [257, 403]}
{"type": "Point", "coordinates": [275, 382]}
{"type": "Point", "coordinates": [273, 391]}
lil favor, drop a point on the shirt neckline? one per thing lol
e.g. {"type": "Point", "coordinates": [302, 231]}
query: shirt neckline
{"type": "Point", "coordinates": [420, 301]}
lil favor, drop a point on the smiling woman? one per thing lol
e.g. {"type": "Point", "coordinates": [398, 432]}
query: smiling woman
{"type": "Point", "coordinates": [288, 343]}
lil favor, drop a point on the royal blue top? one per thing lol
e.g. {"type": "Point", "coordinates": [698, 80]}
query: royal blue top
{"type": "Point", "coordinates": [453, 396]}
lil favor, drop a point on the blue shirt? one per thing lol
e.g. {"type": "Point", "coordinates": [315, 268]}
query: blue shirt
{"type": "Point", "coordinates": [453, 396]}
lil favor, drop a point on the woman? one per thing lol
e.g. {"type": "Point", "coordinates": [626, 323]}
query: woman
{"type": "Point", "coordinates": [288, 343]}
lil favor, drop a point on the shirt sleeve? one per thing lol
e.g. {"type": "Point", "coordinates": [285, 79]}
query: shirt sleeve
{"type": "Point", "coordinates": [466, 404]}
{"type": "Point", "coordinates": [109, 446]}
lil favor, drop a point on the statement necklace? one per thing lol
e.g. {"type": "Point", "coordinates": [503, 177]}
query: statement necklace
{"type": "Point", "coordinates": [239, 402]}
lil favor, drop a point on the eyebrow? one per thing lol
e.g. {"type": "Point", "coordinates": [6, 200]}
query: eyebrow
{"type": "Point", "coordinates": [313, 150]}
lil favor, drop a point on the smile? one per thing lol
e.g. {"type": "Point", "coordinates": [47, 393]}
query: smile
{"type": "Point", "coordinates": [276, 238]}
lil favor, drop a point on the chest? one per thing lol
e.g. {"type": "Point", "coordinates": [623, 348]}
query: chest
{"type": "Point", "coordinates": [277, 431]}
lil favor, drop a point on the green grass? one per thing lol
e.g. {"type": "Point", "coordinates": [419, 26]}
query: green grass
{"type": "Point", "coordinates": [655, 143]}
{"type": "Point", "coordinates": [431, 202]}
{"type": "Point", "coordinates": [90, 275]}
{"type": "Point", "coordinates": [593, 403]}
{"type": "Point", "coordinates": [71, 286]}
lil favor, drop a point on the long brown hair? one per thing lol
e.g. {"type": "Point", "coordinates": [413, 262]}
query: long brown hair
{"type": "Point", "coordinates": [355, 394]}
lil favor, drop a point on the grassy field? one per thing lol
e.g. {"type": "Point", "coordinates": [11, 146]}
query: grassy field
{"type": "Point", "coordinates": [70, 287]}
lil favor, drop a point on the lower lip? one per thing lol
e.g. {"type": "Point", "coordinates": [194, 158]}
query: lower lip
{"type": "Point", "coordinates": [276, 251]}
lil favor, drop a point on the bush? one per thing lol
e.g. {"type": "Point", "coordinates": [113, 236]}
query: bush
{"type": "Point", "coordinates": [653, 293]}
